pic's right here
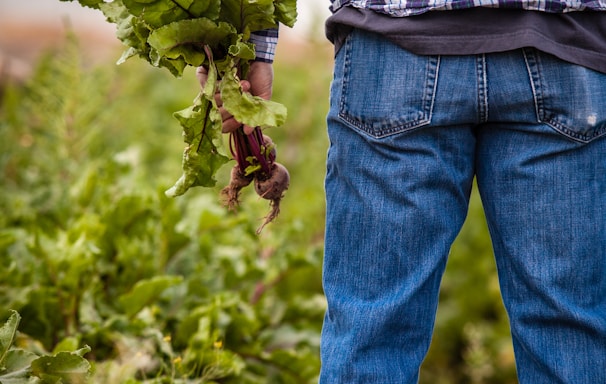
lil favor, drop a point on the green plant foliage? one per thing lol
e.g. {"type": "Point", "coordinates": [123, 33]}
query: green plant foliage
{"type": "Point", "coordinates": [472, 343]}
{"type": "Point", "coordinates": [93, 253]}
{"type": "Point", "coordinates": [18, 366]}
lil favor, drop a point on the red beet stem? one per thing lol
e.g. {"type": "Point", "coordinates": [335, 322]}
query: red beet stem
{"type": "Point", "coordinates": [243, 146]}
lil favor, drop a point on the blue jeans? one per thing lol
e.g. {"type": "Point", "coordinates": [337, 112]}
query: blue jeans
{"type": "Point", "coordinates": [408, 134]}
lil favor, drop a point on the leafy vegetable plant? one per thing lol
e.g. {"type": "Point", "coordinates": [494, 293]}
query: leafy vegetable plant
{"type": "Point", "coordinates": [92, 253]}
{"type": "Point", "coordinates": [20, 366]}
{"type": "Point", "coordinates": [175, 34]}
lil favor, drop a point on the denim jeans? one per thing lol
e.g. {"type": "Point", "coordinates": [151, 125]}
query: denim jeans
{"type": "Point", "coordinates": [408, 135]}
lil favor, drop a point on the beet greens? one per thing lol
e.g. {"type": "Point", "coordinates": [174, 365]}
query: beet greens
{"type": "Point", "coordinates": [174, 34]}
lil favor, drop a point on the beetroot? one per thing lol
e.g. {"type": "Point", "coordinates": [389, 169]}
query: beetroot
{"type": "Point", "coordinates": [272, 188]}
{"type": "Point", "coordinates": [255, 156]}
{"type": "Point", "coordinates": [237, 182]}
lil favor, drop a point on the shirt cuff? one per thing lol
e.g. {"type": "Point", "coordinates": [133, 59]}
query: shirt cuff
{"type": "Point", "coordinates": [265, 42]}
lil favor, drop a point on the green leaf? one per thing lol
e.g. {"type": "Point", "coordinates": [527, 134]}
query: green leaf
{"type": "Point", "coordinates": [245, 51]}
{"type": "Point", "coordinates": [145, 292]}
{"type": "Point", "coordinates": [198, 171]}
{"type": "Point", "coordinates": [64, 367]}
{"type": "Point", "coordinates": [176, 67]}
{"type": "Point", "coordinates": [203, 8]}
{"type": "Point", "coordinates": [248, 15]}
{"type": "Point", "coordinates": [156, 13]}
{"type": "Point", "coordinates": [16, 367]}
{"type": "Point", "coordinates": [286, 12]}
{"type": "Point", "coordinates": [247, 109]}
{"type": "Point", "coordinates": [202, 158]}
{"type": "Point", "coordinates": [129, 30]}
{"type": "Point", "coordinates": [7, 335]}
{"type": "Point", "coordinates": [210, 87]}
{"type": "Point", "coordinates": [186, 39]}
{"type": "Point", "coordinates": [66, 345]}
{"type": "Point", "coordinates": [82, 351]}
{"type": "Point", "coordinates": [115, 12]}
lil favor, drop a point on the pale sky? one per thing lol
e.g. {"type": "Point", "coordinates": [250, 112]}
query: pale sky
{"type": "Point", "coordinates": [312, 13]}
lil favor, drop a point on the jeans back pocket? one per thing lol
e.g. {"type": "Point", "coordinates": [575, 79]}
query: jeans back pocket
{"type": "Point", "coordinates": [569, 98]}
{"type": "Point", "coordinates": [385, 89]}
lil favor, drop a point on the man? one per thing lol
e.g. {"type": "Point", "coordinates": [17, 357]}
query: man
{"type": "Point", "coordinates": [427, 96]}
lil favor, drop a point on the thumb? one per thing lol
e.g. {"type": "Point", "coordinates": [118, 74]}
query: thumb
{"type": "Point", "coordinates": [202, 75]}
{"type": "Point", "coordinates": [245, 84]}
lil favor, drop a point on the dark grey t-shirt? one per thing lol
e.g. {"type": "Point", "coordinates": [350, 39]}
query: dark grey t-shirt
{"type": "Point", "coordinates": [577, 37]}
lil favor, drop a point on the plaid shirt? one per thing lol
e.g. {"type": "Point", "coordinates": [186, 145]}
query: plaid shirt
{"type": "Point", "coordinates": [401, 8]}
{"type": "Point", "coordinates": [265, 44]}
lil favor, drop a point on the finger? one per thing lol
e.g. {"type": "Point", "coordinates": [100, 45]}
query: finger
{"type": "Point", "coordinates": [245, 84]}
{"type": "Point", "coordinates": [201, 71]}
{"type": "Point", "coordinates": [202, 75]}
{"type": "Point", "coordinates": [225, 115]}
{"type": "Point", "coordinates": [218, 100]}
{"type": "Point", "coordinates": [230, 125]}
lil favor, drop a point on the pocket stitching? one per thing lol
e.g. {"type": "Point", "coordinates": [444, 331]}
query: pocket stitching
{"type": "Point", "coordinates": [533, 62]}
{"type": "Point", "coordinates": [391, 127]}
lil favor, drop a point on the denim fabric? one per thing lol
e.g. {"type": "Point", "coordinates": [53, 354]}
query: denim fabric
{"type": "Point", "coordinates": [408, 134]}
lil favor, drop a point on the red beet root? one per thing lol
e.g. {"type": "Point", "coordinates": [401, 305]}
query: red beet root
{"type": "Point", "coordinates": [255, 154]}
{"type": "Point", "coordinates": [272, 188]}
{"type": "Point", "coordinates": [238, 181]}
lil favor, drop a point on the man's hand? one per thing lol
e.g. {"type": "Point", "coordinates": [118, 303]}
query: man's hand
{"type": "Point", "coordinates": [259, 83]}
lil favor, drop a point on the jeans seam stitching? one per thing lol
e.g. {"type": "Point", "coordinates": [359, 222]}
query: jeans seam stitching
{"type": "Point", "coordinates": [535, 83]}
{"type": "Point", "coordinates": [482, 88]}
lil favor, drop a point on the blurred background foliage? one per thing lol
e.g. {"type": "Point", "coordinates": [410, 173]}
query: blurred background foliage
{"type": "Point", "coordinates": [180, 290]}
